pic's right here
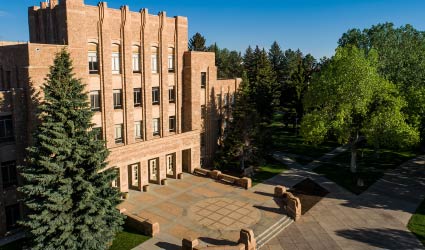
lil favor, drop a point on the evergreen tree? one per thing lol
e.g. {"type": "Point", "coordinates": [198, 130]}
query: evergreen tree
{"type": "Point", "coordinates": [249, 64]}
{"type": "Point", "coordinates": [197, 43]}
{"type": "Point", "coordinates": [276, 57]}
{"type": "Point", "coordinates": [239, 148]}
{"type": "Point", "coordinates": [71, 204]}
{"type": "Point", "coordinates": [229, 63]}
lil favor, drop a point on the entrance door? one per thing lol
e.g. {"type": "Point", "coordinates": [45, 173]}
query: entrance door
{"type": "Point", "coordinates": [170, 164]}
{"type": "Point", "coordinates": [153, 170]}
{"type": "Point", "coordinates": [186, 160]}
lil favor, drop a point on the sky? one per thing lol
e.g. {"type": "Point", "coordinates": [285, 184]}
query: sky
{"type": "Point", "coordinates": [313, 26]}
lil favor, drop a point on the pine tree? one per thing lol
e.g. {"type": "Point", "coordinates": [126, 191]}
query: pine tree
{"type": "Point", "coordinates": [70, 202]}
{"type": "Point", "coordinates": [249, 64]}
{"type": "Point", "coordinates": [197, 43]}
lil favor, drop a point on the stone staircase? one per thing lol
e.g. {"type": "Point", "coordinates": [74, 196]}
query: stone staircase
{"type": "Point", "coordinates": [274, 230]}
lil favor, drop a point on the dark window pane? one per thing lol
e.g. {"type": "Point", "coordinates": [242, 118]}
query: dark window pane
{"type": "Point", "coordinates": [203, 79]}
{"type": "Point", "coordinates": [12, 216]}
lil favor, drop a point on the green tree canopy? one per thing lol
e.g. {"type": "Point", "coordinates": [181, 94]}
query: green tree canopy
{"type": "Point", "coordinates": [401, 54]}
{"type": "Point", "coordinates": [350, 100]}
{"type": "Point", "coordinates": [197, 43]}
{"type": "Point", "coordinates": [71, 203]}
{"type": "Point", "coordinates": [229, 63]}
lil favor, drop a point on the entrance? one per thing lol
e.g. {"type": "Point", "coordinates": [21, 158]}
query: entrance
{"type": "Point", "coordinates": [153, 170]}
{"type": "Point", "coordinates": [186, 160]}
{"type": "Point", "coordinates": [170, 165]}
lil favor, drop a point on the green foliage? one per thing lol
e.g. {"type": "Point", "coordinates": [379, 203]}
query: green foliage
{"type": "Point", "coordinates": [197, 43]}
{"type": "Point", "coordinates": [128, 239]}
{"type": "Point", "coordinates": [71, 204]}
{"type": "Point", "coordinates": [401, 60]}
{"type": "Point", "coordinates": [229, 63]}
{"type": "Point", "coordinates": [349, 99]}
{"type": "Point", "coordinates": [417, 223]}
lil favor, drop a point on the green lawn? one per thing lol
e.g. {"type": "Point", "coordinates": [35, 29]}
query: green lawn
{"type": "Point", "coordinates": [370, 167]}
{"type": "Point", "coordinates": [285, 139]}
{"type": "Point", "coordinates": [417, 223]}
{"type": "Point", "coordinates": [267, 170]}
{"type": "Point", "coordinates": [126, 240]}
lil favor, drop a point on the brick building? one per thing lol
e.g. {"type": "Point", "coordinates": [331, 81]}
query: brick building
{"type": "Point", "coordinates": [159, 107]}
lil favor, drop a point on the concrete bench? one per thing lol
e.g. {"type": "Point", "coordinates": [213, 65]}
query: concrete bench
{"type": "Point", "coordinates": [201, 171]}
{"type": "Point", "coordinates": [228, 178]}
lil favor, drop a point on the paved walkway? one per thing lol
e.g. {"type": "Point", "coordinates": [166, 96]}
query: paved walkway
{"type": "Point", "coordinates": [203, 208]}
{"type": "Point", "coordinates": [376, 219]}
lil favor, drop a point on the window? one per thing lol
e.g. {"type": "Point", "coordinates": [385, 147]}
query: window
{"type": "Point", "coordinates": [135, 175]}
{"type": "Point", "coordinates": [119, 133]}
{"type": "Point", "coordinates": [136, 59]}
{"type": "Point", "coordinates": [203, 111]}
{"type": "Point", "coordinates": [137, 97]}
{"type": "Point", "coordinates": [6, 129]}
{"type": "Point", "coordinates": [115, 182]}
{"type": "Point", "coordinates": [203, 79]}
{"type": "Point", "coordinates": [171, 60]}
{"type": "Point", "coordinates": [13, 214]}
{"type": "Point", "coordinates": [116, 67]}
{"type": "Point", "coordinates": [117, 98]}
{"type": "Point", "coordinates": [153, 169]}
{"type": "Point", "coordinates": [171, 94]}
{"type": "Point", "coordinates": [95, 100]}
{"type": "Point", "coordinates": [155, 126]}
{"type": "Point", "coordinates": [9, 174]}
{"type": "Point", "coordinates": [170, 164]}
{"type": "Point", "coordinates": [172, 123]}
{"type": "Point", "coordinates": [154, 58]}
{"type": "Point", "coordinates": [138, 130]}
{"type": "Point", "coordinates": [155, 95]}
{"type": "Point", "coordinates": [97, 133]}
{"type": "Point", "coordinates": [93, 60]}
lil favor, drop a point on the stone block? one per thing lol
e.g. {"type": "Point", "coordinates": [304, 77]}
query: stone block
{"type": "Point", "coordinates": [189, 243]}
{"type": "Point", "coordinates": [279, 191]}
{"type": "Point", "coordinates": [164, 182]}
{"type": "Point", "coordinates": [180, 176]}
{"type": "Point", "coordinates": [145, 188]}
{"type": "Point", "coordinates": [215, 174]}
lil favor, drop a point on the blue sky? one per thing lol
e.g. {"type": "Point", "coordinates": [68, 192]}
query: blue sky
{"type": "Point", "coordinates": [314, 26]}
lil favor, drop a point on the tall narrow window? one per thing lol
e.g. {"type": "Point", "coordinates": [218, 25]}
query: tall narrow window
{"type": "Point", "coordinates": [172, 123]}
{"type": "Point", "coordinates": [136, 59]}
{"type": "Point", "coordinates": [155, 95]}
{"type": "Point", "coordinates": [13, 214]}
{"type": "Point", "coordinates": [203, 111]}
{"type": "Point", "coordinates": [171, 61]}
{"type": "Point", "coordinates": [95, 100]}
{"type": "Point", "coordinates": [116, 181]}
{"type": "Point", "coordinates": [138, 130]}
{"type": "Point", "coordinates": [154, 58]}
{"type": "Point", "coordinates": [203, 79]}
{"type": "Point", "coordinates": [171, 94]}
{"type": "Point", "coordinates": [155, 126]}
{"type": "Point", "coordinates": [137, 97]}
{"type": "Point", "coordinates": [93, 59]}
{"type": "Point", "coordinates": [8, 82]}
{"type": "Point", "coordinates": [9, 174]}
{"type": "Point", "coordinates": [117, 98]}
{"type": "Point", "coordinates": [6, 129]}
{"type": "Point", "coordinates": [119, 133]}
{"type": "Point", "coordinates": [116, 67]}
{"type": "Point", "coordinates": [97, 133]}
{"type": "Point", "coordinates": [135, 175]}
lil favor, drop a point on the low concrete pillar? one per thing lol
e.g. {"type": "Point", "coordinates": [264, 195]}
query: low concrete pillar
{"type": "Point", "coordinates": [215, 174]}
{"type": "Point", "coordinates": [279, 191]}
{"type": "Point", "coordinates": [246, 182]}
{"type": "Point", "coordinates": [180, 176]}
{"type": "Point", "coordinates": [189, 243]}
{"type": "Point", "coordinates": [164, 182]}
{"type": "Point", "coordinates": [145, 188]}
{"type": "Point", "coordinates": [247, 238]}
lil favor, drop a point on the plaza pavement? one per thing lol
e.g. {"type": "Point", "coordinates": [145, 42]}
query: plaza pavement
{"type": "Point", "coordinates": [376, 219]}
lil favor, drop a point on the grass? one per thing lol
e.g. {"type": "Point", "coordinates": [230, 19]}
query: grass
{"type": "Point", "coordinates": [125, 240]}
{"type": "Point", "coordinates": [370, 168]}
{"type": "Point", "coordinates": [267, 170]}
{"type": "Point", "coordinates": [417, 223]}
{"type": "Point", "coordinates": [285, 139]}
{"type": "Point", "coordinates": [128, 239]}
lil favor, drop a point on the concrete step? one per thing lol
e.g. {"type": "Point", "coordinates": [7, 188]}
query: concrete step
{"type": "Point", "coordinates": [273, 231]}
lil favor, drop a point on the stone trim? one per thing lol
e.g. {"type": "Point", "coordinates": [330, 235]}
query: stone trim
{"type": "Point", "coordinates": [243, 182]}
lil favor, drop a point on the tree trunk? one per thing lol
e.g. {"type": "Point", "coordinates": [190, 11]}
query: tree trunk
{"type": "Point", "coordinates": [353, 165]}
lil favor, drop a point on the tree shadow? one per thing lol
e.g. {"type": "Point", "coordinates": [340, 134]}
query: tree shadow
{"type": "Point", "coordinates": [217, 242]}
{"type": "Point", "coordinates": [382, 238]}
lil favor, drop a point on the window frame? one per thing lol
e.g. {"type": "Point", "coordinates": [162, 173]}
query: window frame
{"type": "Point", "coordinates": [7, 131]}
{"type": "Point", "coordinates": [99, 106]}
{"type": "Point", "coordinates": [172, 94]}
{"type": "Point", "coordinates": [156, 124]}
{"type": "Point", "coordinates": [117, 92]}
{"type": "Point", "coordinates": [93, 61]}
{"type": "Point", "coordinates": [119, 140]}
{"type": "Point", "coordinates": [203, 80]}
{"type": "Point", "coordinates": [156, 95]}
{"type": "Point", "coordinates": [13, 214]}
{"type": "Point", "coordinates": [9, 174]}
{"type": "Point", "coordinates": [137, 96]}
{"type": "Point", "coordinates": [172, 123]}
{"type": "Point", "coordinates": [155, 60]}
{"type": "Point", "coordinates": [138, 133]}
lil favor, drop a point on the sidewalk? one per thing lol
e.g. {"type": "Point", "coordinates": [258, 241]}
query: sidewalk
{"type": "Point", "coordinates": [376, 219]}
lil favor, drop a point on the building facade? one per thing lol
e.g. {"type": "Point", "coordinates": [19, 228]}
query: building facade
{"type": "Point", "coordinates": [159, 108]}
